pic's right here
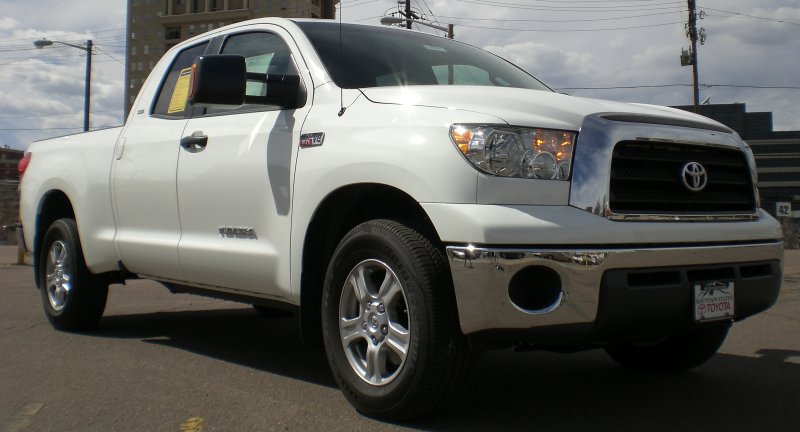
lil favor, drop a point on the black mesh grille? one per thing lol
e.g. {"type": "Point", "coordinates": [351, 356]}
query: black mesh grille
{"type": "Point", "coordinates": [646, 179]}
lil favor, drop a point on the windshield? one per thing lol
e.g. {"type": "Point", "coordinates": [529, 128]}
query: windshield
{"type": "Point", "coordinates": [375, 57]}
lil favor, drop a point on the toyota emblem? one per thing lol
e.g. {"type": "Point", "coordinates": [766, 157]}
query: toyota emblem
{"type": "Point", "coordinates": [694, 176]}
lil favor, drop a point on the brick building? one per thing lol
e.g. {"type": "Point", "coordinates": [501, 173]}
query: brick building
{"type": "Point", "coordinates": [154, 26]}
{"type": "Point", "coordinates": [9, 199]}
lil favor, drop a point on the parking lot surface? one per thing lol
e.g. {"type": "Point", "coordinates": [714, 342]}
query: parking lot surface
{"type": "Point", "coordinates": [164, 362]}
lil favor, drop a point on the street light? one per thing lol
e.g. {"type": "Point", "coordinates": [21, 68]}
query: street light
{"type": "Point", "coordinates": [88, 48]}
{"type": "Point", "coordinates": [391, 20]}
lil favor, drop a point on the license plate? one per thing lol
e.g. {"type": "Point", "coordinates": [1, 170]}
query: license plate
{"type": "Point", "coordinates": [713, 300]}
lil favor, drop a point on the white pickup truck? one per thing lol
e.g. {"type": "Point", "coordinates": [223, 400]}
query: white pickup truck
{"type": "Point", "coordinates": [415, 199]}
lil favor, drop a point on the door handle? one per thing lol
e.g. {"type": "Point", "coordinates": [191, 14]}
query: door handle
{"type": "Point", "coordinates": [195, 142]}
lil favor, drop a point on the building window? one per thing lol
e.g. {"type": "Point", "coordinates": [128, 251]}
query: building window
{"type": "Point", "coordinates": [133, 83]}
{"type": "Point", "coordinates": [139, 66]}
{"type": "Point", "coordinates": [173, 33]}
{"type": "Point", "coordinates": [215, 5]}
{"type": "Point", "coordinates": [146, 49]}
{"type": "Point", "coordinates": [133, 50]}
{"type": "Point", "coordinates": [235, 4]}
{"type": "Point", "coordinates": [210, 26]}
{"type": "Point", "coordinates": [178, 7]}
{"type": "Point", "coordinates": [198, 6]}
{"type": "Point", "coordinates": [191, 29]}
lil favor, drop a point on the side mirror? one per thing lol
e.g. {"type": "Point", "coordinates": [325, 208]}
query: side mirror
{"type": "Point", "coordinates": [222, 79]}
{"type": "Point", "coordinates": [285, 91]}
{"type": "Point", "coordinates": [218, 80]}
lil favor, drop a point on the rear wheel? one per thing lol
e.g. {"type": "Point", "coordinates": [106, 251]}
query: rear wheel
{"type": "Point", "coordinates": [389, 322]}
{"type": "Point", "coordinates": [73, 298]}
{"type": "Point", "coordinates": [679, 352]}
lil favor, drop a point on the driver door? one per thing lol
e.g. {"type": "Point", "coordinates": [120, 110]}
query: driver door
{"type": "Point", "coordinates": [234, 194]}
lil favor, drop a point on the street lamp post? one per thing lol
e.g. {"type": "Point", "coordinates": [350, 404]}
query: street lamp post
{"type": "Point", "coordinates": [87, 90]}
{"type": "Point", "coordinates": [390, 20]}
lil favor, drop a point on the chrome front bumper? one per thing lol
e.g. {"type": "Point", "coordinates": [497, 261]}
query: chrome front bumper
{"type": "Point", "coordinates": [481, 278]}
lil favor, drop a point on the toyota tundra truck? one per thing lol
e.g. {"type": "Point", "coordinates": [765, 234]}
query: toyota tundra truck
{"type": "Point", "coordinates": [414, 199]}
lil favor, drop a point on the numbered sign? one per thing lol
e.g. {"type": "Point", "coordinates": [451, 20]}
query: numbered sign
{"type": "Point", "coordinates": [783, 209]}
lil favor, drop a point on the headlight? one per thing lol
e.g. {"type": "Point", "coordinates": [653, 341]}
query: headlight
{"type": "Point", "coordinates": [509, 151]}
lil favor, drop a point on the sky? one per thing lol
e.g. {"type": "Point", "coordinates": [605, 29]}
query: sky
{"type": "Point", "coordinates": [627, 50]}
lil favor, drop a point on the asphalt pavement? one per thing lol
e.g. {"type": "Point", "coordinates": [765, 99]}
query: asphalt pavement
{"type": "Point", "coordinates": [164, 362]}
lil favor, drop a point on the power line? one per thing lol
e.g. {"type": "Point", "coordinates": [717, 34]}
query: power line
{"type": "Point", "coordinates": [585, 9]}
{"type": "Point", "coordinates": [33, 57]}
{"type": "Point", "coordinates": [752, 16]}
{"type": "Point", "coordinates": [53, 115]}
{"type": "Point", "coordinates": [572, 30]}
{"type": "Point", "coordinates": [112, 57]}
{"type": "Point", "coordinates": [58, 128]}
{"type": "Point", "coordinates": [561, 21]}
{"type": "Point", "coordinates": [595, 1]}
{"type": "Point", "coordinates": [68, 34]}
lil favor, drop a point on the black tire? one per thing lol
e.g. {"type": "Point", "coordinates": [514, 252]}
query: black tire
{"type": "Point", "coordinates": [434, 367]}
{"type": "Point", "coordinates": [73, 298]}
{"type": "Point", "coordinates": [677, 353]}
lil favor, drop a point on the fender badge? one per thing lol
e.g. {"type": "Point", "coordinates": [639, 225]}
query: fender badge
{"type": "Point", "coordinates": [312, 139]}
{"type": "Point", "coordinates": [236, 232]}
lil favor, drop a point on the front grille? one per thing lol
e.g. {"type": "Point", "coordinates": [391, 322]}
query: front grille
{"type": "Point", "coordinates": [646, 178]}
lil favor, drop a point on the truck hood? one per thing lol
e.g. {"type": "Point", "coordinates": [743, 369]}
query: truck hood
{"type": "Point", "coordinates": [521, 107]}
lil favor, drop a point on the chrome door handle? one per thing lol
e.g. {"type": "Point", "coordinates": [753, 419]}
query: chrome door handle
{"type": "Point", "coordinates": [195, 142]}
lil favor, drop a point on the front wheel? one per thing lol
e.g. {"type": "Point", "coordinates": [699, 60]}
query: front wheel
{"type": "Point", "coordinates": [679, 352]}
{"type": "Point", "coordinates": [73, 298]}
{"type": "Point", "coordinates": [390, 324]}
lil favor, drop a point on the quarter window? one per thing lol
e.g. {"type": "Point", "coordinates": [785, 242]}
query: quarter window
{"type": "Point", "coordinates": [174, 91]}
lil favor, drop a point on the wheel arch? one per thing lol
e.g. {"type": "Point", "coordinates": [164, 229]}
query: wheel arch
{"type": "Point", "coordinates": [338, 213]}
{"type": "Point", "coordinates": [54, 205]}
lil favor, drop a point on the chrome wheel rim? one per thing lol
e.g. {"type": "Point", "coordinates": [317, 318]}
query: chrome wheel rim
{"type": "Point", "coordinates": [374, 322]}
{"type": "Point", "coordinates": [59, 278]}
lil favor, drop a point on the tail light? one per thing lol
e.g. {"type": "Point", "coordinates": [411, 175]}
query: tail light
{"type": "Point", "coordinates": [23, 164]}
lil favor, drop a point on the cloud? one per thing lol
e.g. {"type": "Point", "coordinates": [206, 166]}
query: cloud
{"type": "Point", "coordinates": [44, 88]}
{"type": "Point", "coordinates": [545, 38]}
{"type": "Point", "coordinates": [548, 63]}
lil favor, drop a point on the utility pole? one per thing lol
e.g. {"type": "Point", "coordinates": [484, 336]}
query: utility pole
{"type": "Point", "coordinates": [41, 43]}
{"type": "Point", "coordinates": [408, 14]}
{"type": "Point", "coordinates": [87, 85]}
{"type": "Point", "coordinates": [693, 38]}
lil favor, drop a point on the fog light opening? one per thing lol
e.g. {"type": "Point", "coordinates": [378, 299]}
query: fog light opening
{"type": "Point", "coordinates": [536, 290]}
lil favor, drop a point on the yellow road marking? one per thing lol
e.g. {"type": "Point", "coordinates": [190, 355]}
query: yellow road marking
{"type": "Point", "coordinates": [23, 418]}
{"type": "Point", "coordinates": [193, 424]}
